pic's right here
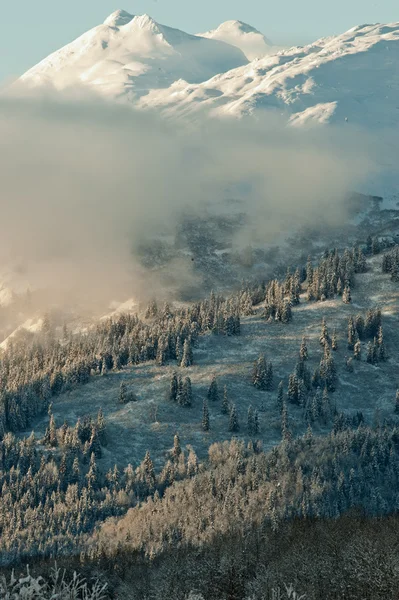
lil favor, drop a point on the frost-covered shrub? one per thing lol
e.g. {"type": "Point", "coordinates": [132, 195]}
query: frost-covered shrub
{"type": "Point", "coordinates": [57, 588]}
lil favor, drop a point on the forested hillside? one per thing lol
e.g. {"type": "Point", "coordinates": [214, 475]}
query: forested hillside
{"type": "Point", "coordinates": [126, 462]}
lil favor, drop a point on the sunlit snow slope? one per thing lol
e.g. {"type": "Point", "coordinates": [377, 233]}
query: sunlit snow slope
{"type": "Point", "coordinates": [128, 55]}
{"type": "Point", "coordinates": [253, 43]}
{"type": "Point", "coordinates": [353, 77]}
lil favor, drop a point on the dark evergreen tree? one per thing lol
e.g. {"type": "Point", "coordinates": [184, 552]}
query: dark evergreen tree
{"type": "Point", "coordinates": [173, 387]}
{"type": "Point", "coordinates": [101, 428]}
{"type": "Point", "coordinates": [250, 421]}
{"type": "Point", "coordinates": [122, 399]}
{"type": "Point", "coordinates": [186, 395]}
{"type": "Point", "coordinates": [213, 392]}
{"type": "Point", "coordinates": [205, 417]}
{"type": "Point", "coordinates": [269, 377]}
{"type": "Point", "coordinates": [303, 352]}
{"type": "Point", "coordinates": [176, 452]}
{"type": "Point", "coordinates": [334, 341]}
{"type": "Point", "coordinates": [285, 432]}
{"type": "Point", "coordinates": [225, 403]}
{"type": "Point", "coordinates": [381, 352]}
{"type": "Point", "coordinates": [280, 395]}
{"type": "Point", "coordinates": [259, 376]}
{"type": "Point", "coordinates": [233, 420]}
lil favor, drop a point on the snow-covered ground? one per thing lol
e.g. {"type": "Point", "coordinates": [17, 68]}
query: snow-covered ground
{"type": "Point", "coordinates": [151, 421]}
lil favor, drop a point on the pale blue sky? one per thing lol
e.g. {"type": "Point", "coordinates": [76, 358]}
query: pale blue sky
{"type": "Point", "coordinates": [30, 30]}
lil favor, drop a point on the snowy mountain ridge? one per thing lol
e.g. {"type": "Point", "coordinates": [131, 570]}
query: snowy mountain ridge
{"type": "Point", "coordinates": [128, 55]}
{"type": "Point", "coordinates": [251, 41]}
{"type": "Point", "coordinates": [349, 77]}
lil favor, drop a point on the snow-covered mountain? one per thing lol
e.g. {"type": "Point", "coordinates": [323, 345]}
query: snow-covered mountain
{"type": "Point", "coordinates": [129, 55]}
{"type": "Point", "coordinates": [248, 39]}
{"type": "Point", "coordinates": [353, 76]}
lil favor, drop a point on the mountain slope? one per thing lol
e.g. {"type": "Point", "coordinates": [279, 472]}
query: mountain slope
{"type": "Point", "coordinates": [128, 55]}
{"type": "Point", "coordinates": [248, 39]}
{"type": "Point", "coordinates": [352, 76]}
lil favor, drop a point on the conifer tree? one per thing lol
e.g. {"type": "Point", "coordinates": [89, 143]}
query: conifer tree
{"type": "Point", "coordinates": [250, 421]}
{"type": "Point", "coordinates": [176, 452]}
{"type": "Point", "coordinates": [260, 373]}
{"type": "Point", "coordinates": [334, 342]}
{"type": "Point", "coordinates": [309, 271]}
{"type": "Point", "coordinates": [233, 420]}
{"type": "Point", "coordinates": [187, 358]}
{"type": "Point", "coordinates": [213, 392]}
{"type": "Point", "coordinates": [346, 294]}
{"type": "Point", "coordinates": [325, 407]}
{"type": "Point", "coordinates": [179, 349]}
{"type": "Point", "coordinates": [370, 353]}
{"type": "Point", "coordinates": [286, 312]}
{"type": "Point", "coordinates": [256, 422]}
{"type": "Point", "coordinates": [303, 351]}
{"type": "Point", "coordinates": [293, 391]}
{"type": "Point", "coordinates": [351, 333]}
{"type": "Point", "coordinates": [357, 351]}
{"type": "Point", "coordinates": [225, 404]}
{"type": "Point", "coordinates": [269, 377]}
{"type": "Point", "coordinates": [381, 352]}
{"type": "Point", "coordinates": [397, 403]}
{"type": "Point", "coordinates": [94, 443]}
{"type": "Point", "coordinates": [148, 471]}
{"type": "Point", "coordinates": [101, 428]}
{"type": "Point", "coordinates": [92, 475]}
{"type": "Point", "coordinates": [280, 395]}
{"type": "Point", "coordinates": [122, 399]}
{"type": "Point", "coordinates": [185, 397]}
{"type": "Point", "coordinates": [324, 337]}
{"type": "Point", "coordinates": [205, 417]}
{"type": "Point", "coordinates": [285, 432]}
{"type": "Point", "coordinates": [173, 387]}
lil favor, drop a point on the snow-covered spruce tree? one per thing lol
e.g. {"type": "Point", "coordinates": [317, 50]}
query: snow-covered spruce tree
{"type": "Point", "coordinates": [324, 336]}
{"type": "Point", "coordinates": [233, 420]}
{"type": "Point", "coordinates": [303, 351]}
{"type": "Point", "coordinates": [187, 358]}
{"type": "Point", "coordinates": [250, 421]}
{"type": "Point", "coordinates": [173, 387]}
{"type": "Point", "coordinates": [280, 395]}
{"type": "Point", "coordinates": [185, 397]}
{"type": "Point", "coordinates": [381, 352]}
{"type": "Point", "coordinates": [205, 424]}
{"type": "Point", "coordinates": [260, 373]}
{"type": "Point", "coordinates": [285, 432]}
{"type": "Point", "coordinates": [122, 398]}
{"type": "Point", "coordinates": [225, 409]}
{"type": "Point", "coordinates": [346, 295]}
{"type": "Point", "coordinates": [334, 341]}
{"type": "Point", "coordinates": [176, 452]}
{"type": "Point", "coordinates": [213, 392]}
{"type": "Point", "coordinates": [269, 377]}
{"type": "Point", "coordinates": [101, 428]}
{"type": "Point", "coordinates": [357, 350]}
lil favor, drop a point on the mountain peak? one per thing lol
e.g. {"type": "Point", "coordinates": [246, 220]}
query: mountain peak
{"type": "Point", "coordinates": [243, 36]}
{"type": "Point", "coordinates": [237, 25]}
{"type": "Point", "coordinates": [145, 22]}
{"type": "Point", "coordinates": [119, 18]}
